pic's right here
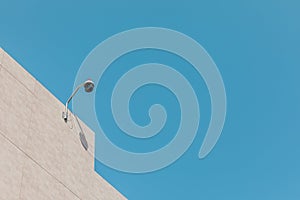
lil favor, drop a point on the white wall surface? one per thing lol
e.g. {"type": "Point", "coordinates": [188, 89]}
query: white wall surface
{"type": "Point", "coordinates": [41, 156]}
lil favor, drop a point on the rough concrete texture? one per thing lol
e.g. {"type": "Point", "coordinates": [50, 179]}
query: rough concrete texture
{"type": "Point", "coordinates": [41, 156]}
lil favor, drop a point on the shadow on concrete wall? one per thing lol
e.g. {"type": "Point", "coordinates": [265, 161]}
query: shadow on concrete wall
{"type": "Point", "coordinates": [82, 135]}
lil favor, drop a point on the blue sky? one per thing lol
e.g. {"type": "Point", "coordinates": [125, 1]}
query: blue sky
{"type": "Point", "coordinates": [255, 45]}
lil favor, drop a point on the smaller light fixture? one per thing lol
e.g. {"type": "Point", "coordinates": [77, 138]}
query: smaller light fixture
{"type": "Point", "coordinates": [88, 87]}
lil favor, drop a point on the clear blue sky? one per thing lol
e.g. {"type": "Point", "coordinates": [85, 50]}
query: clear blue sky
{"type": "Point", "coordinates": [256, 45]}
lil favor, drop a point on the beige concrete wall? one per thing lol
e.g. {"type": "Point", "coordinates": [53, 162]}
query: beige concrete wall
{"type": "Point", "coordinates": [41, 156]}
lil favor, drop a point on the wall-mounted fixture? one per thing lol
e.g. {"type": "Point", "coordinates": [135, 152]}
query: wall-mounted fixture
{"type": "Point", "coordinates": [88, 87]}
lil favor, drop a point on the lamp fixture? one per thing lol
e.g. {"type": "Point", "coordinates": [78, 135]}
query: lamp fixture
{"type": "Point", "coordinates": [88, 87]}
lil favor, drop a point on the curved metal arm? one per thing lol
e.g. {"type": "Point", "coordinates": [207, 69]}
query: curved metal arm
{"type": "Point", "coordinates": [65, 114]}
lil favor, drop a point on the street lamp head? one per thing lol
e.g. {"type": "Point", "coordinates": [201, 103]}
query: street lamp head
{"type": "Point", "coordinates": [89, 85]}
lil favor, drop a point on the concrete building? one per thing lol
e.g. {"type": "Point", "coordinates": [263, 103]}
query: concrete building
{"type": "Point", "coordinates": [41, 156]}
